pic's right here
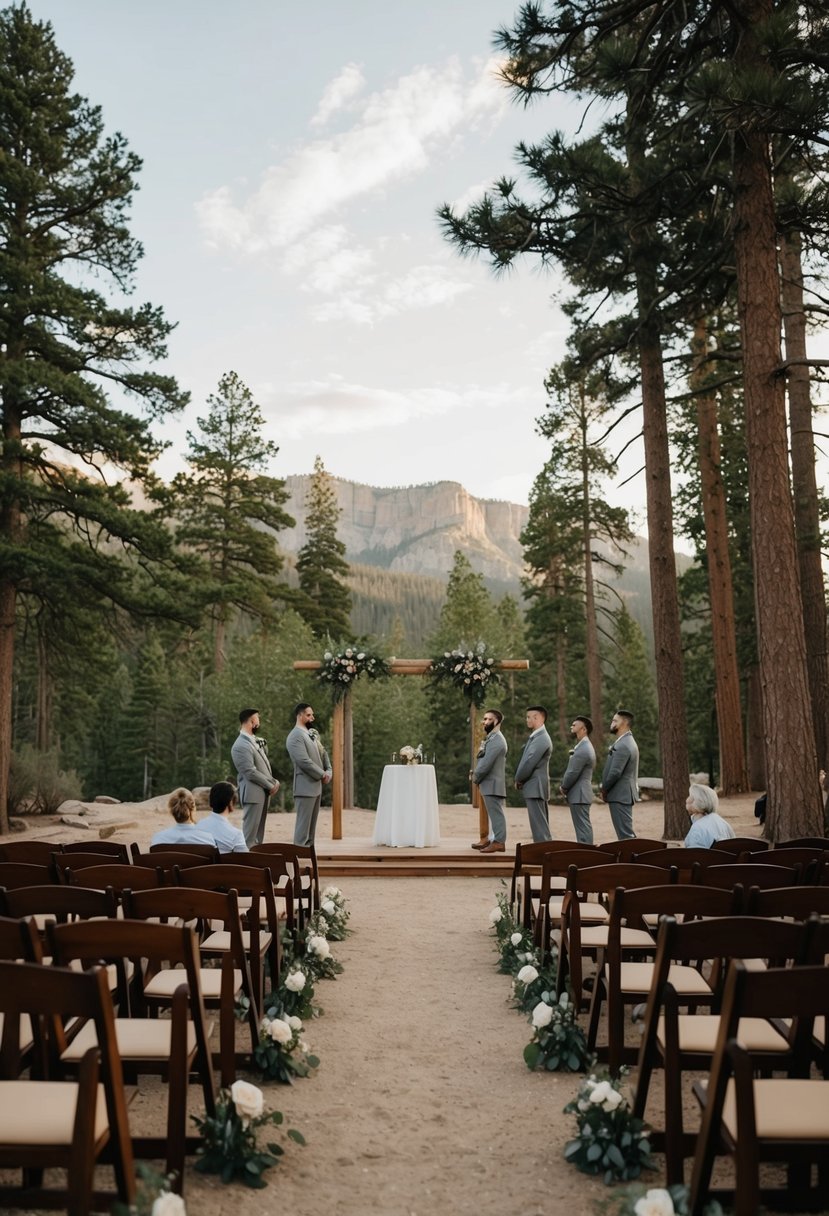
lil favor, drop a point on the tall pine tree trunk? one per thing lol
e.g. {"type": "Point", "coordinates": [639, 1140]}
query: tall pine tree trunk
{"type": "Point", "coordinates": [733, 771]}
{"type": "Point", "coordinates": [670, 683]}
{"type": "Point", "coordinates": [594, 670]}
{"type": "Point", "coordinates": [11, 525]}
{"type": "Point", "coordinates": [794, 806]}
{"type": "Point", "coordinates": [804, 484]}
{"type": "Point", "coordinates": [45, 690]}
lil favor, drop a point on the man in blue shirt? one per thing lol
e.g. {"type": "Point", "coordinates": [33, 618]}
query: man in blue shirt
{"type": "Point", "coordinates": [217, 825]}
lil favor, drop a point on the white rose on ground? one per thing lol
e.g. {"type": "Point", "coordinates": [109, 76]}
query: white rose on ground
{"type": "Point", "coordinates": [169, 1204]}
{"type": "Point", "coordinates": [295, 981]}
{"type": "Point", "coordinates": [330, 892]}
{"type": "Point", "coordinates": [280, 1031]}
{"type": "Point", "coordinates": [515, 938]}
{"type": "Point", "coordinates": [542, 1015]}
{"type": "Point", "coordinates": [656, 1202]}
{"type": "Point", "coordinates": [495, 916]}
{"type": "Point", "coordinates": [319, 946]}
{"type": "Point", "coordinates": [247, 1099]}
{"type": "Point", "coordinates": [329, 907]}
{"type": "Point", "coordinates": [304, 1045]}
{"type": "Point", "coordinates": [600, 1091]}
{"type": "Point", "coordinates": [527, 974]}
{"type": "Point", "coordinates": [294, 1022]}
{"type": "Point", "coordinates": [613, 1099]}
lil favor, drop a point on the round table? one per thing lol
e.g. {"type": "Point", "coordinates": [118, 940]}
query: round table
{"type": "Point", "coordinates": [407, 807]}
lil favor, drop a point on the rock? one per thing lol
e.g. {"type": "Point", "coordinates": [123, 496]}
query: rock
{"type": "Point", "coordinates": [202, 796]}
{"type": "Point", "coordinates": [110, 829]}
{"type": "Point", "coordinates": [105, 798]}
{"type": "Point", "coordinates": [74, 822]}
{"type": "Point", "coordinates": [73, 807]}
{"type": "Point", "coordinates": [652, 784]}
{"type": "Point", "coordinates": [17, 825]}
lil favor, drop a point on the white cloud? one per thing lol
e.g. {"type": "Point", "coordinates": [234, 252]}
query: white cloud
{"type": "Point", "coordinates": [339, 92]}
{"type": "Point", "coordinates": [366, 299]}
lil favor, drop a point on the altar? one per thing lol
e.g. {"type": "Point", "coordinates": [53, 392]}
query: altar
{"type": "Point", "coordinates": [407, 807]}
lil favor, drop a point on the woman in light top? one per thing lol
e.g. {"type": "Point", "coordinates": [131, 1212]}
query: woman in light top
{"type": "Point", "coordinates": [707, 827]}
{"type": "Point", "coordinates": [182, 806]}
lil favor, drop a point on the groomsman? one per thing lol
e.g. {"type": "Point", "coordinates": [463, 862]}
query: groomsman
{"type": "Point", "coordinates": [254, 776]}
{"type": "Point", "coordinates": [577, 782]}
{"type": "Point", "coordinates": [620, 779]}
{"type": "Point", "coordinates": [532, 777]}
{"type": "Point", "coordinates": [490, 778]}
{"type": "Point", "coordinates": [312, 769]}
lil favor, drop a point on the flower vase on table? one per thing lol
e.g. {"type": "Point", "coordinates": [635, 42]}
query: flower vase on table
{"type": "Point", "coordinates": [411, 755]}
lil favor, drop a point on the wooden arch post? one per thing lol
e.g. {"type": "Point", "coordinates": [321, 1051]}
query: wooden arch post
{"type": "Point", "coordinates": [342, 764]}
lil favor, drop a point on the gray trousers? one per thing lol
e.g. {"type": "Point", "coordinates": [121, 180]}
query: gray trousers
{"type": "Point", "coordinates": [307, 813]}
{"type": "Point", "coordinates": [621, 814]}
{"type": "Point", "coordinates": [253, 822]}
{"type": "Point", "coordinates": [539, 818]}
{"type": "Point", "coordinates": [580, 814]}
{"type": "Point", "coordinates": [494, 804]}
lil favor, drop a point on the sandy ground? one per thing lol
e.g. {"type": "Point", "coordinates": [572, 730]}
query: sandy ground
{"type": "Point", "coordinates": [422, 1103]}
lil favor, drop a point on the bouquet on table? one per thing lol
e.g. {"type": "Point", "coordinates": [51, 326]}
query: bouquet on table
{"type": "Point", "coordinates": [412, 755]}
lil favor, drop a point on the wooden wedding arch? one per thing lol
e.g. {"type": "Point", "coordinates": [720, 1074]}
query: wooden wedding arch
{"type": "Point", "coordinates": [342, 737]}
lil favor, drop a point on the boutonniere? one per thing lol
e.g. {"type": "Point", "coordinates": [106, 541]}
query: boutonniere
{"type": "Point", "coordinates": [571, 751]}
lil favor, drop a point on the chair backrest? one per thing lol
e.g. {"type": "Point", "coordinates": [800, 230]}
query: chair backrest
{"type": "Point", "coordinates": [82, 861]}
{"type": "Point", "coordinates": [738, 845]}
{"type": "Point", "coordinates": [804, 842]}
{"type": "Point", "coordinates": [683, 859]}
{"type": "Point", "coordinates": [626, 850]}
{"type": "Point", "coordinates": [113, 849]}
{"type": "Point", "coordinates": [530, 857]}
{"type": "Point", "coordinates": [15, 874]}
{"type": "Point", "coordinates": [793, 903]}
{"type": "Point", "coordinates": [61, 902]}
{"type": "Point", "coordinates": [299, 853]}
{"type": "Point", "coordinates": [247, 880]}
{"type": "Point", "coordinates": [682, 902]}
{"type": "Point", "coordinates": [31, 852]}
{"type": "Point", "coordinates": [593, 880]}
{"type": "Point", "coordinates": [751, 875]}
{"type": "Point", "coordinates": [167, 861]}
{"type": "Point", "coordinates": [210, 852]}
{"type": "Point", "coordinates": [19, 939]}
{"type": "Point", "coordinates": [804, 857]}
{"type": "Point", "coordinates": [115, 875]}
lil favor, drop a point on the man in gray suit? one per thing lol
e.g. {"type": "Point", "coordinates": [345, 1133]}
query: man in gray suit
{"type": "Point", "coordinates": [532, 777]}
{"type": "Point", "coordinates": [312, 770]}
{"type": "Point", "coordinates": [490, 778]}
{"type": "Point", "coordinates": [254, 776]}
{"type": "Point", "coordinates": [620, 779]}
{"type": "Point", "coordinates": [577, 782]}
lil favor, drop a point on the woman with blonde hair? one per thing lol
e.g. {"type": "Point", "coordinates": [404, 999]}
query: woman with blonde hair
{"type": "Point", "coordinates": [182, 806]}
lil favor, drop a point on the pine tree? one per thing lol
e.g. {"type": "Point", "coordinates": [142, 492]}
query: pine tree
{"type": "Point", "coordinates": [64, 207]}
{"type": "Point", "coordinates": [630, 686]}
{"type": "Point", "coordinates": [321, 563]}
{"type": "Point", "coordinates": [228, 509]}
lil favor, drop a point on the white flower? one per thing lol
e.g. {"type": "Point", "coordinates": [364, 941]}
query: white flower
{"type": "Point", "coordinates": [542, 1015]}
{"type": "Point", "coordinates": [318, 945]}
{"type": "Point", "coordinates": [656, 1202]}
{"type": "Point", "coordinates": [527, 974]}
{"type": "Point", "coordinates": [516, 938]}
{"type": "Point", "coordinates": [168, 1204]}
{"type": "Point", "coordinates": [331, 892]}
{"type": "Point", "coordinates": [328, 655]}
{"type": "Point", "coordinates": [248, 1100]}
{"type": "Point", "coordinates": [605, 1095]}
{"type": "Point", "coordinates": [328, 907]}
{"type": "Point", "coordinates": [613, 1099]}
{"type": "Point", "coordinates": [280, 1031]}
{"type": "Point", "coordinates": [295, 981]}
{"type": "Point", "coordinates": [361, 656]}
{"type": "Point", "coordinates": [294, 1022]}
{"type": "Point", "coordinates": [495, 916]}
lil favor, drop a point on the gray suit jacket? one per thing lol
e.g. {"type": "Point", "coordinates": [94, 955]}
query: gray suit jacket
{"type": "Point", "coordinates": [489, 774]}
{"type": "Point", "coordinates": [620, 779]}
{"type": "Point", "coordinates": [534, 766]}
{"type": "Point", "coordinates": [310, 761]}
{"type": "Point", "coordinates": [253, 769]}
{"type": "Point", "coordinates": [578, 776]}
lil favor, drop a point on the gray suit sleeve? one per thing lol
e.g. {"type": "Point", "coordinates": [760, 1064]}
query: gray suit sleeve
{"type": "Point", "coordinates": [576, 765]}
{"type": "Point", "coordinates": [536, 748]}
{"type": "Point", "coordinates": [614, 766]}
{"type": "Point", "coordinates": [301, 759]}
{"type": "Point", "coordinates": [486, 763]}
{"type": "Point", "coordinates": [242, 756]}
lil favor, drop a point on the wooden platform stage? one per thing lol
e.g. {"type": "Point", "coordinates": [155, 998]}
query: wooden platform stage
{"type": "Point", "coordinates": [450, 859]}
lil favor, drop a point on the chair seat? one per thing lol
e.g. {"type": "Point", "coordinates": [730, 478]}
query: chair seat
{"type": "Point", "coordinates": [43, 1112]}
{"type": "Point", "coordinates": [589, 913]}
{"type": "Point", "coordinates": [164, 983]}
{"type": "Point", "coordinates": [785, 1109]}
{"type": "Point", "coordinates": [137, 1039]}
{"type": "Point", "coordinates": [221, 941]}
{"type": "Point", "coordinates": [686, 981]}
{"type": "Point", "coordinates": [556, 884]}
{"type": "Point", "coordinates": [820, 1031]}
{"type": "Point", "coordinates": [595, 936]}
{"type": "Point", "coordinates": [245, 902]}
{"type": "Point", "coordinates": [698, 1033]}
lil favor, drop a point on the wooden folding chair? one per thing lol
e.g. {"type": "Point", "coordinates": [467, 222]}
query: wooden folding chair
{"type": "Point", "coordinates": [753, 1119]}
{"type": "Point", "coordinates": [31, 852]}
{"type": "Point", "coordinates": [634, 846]}
{"type": "Point", "coordinates": [555, 869]}
{"type": "Point", "coordinates": [624, 982]}
{"type": "Point", "coordinates": [804, 842]}
{"type": "Point", "coordinates": [737, 845]}
{"type": "Point", "coordinates": [19, 941]}
{"type": "Point", "coordinates": [221, 986]}
{"type": "Point", "coordinates": [14, 874]}
{"type": "Point", "coordinates": [810, 860]}
{"type": "Point", "coordinates": [50, 1122]}
{"type": "Point", "coordinates": [167, 861]}
{"type": "Point", "coordinates": [167, 1047]}
{"type": "Point", "coordinates": [525, 886]}
{"type": "Point", "coordinates": [751, 875]}
{"type": "Point", "coordinates": [208, 852]}
{"type": "Point", "coordinates": [282, 874]}
{"type": "Point", "coordinates": [681, 1042]}
{"type": "Point", "coordinates": [306, 878]}
{"type": "Point", "coordinates": [682, 860]}
{"type": "Point", "coordinates": [788, 903]}
{"type": "Point", "coordinates": [114, 850]}
{"type": "Point", "coordinates": [116, 876]}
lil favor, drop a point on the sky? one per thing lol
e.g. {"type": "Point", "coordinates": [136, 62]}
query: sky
{"type": "Point", "coordinates": [294, 157]}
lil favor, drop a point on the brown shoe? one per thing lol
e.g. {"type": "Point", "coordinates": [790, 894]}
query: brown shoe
{"type": "Point", "coordinates": [481, 844]}
{"type": "Point", "coordinates": [494, 846]}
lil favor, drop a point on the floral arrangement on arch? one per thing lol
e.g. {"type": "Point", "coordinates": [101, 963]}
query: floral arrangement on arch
{"type": "Point", "coordinates": [609, 1140]}
{"type": "Point", "coordinates": [342, 669]}
{"type": "Point", "coordinates": [473, 672]}
{"type": "Point", "coordinates": [228, 1145]}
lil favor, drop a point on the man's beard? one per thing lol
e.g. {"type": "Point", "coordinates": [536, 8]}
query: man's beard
{"type": "Point", "coordinates": [255, 729]}
{"type": "Point", "coordinates": [488, 726]}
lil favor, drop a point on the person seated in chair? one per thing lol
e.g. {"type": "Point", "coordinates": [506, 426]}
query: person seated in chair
{"type": "Point", "coordinates": [186, 830]}
{"type": "Point", "coordinates": [707, 827]}
{"type": "Point", "coordinates": [219, 829]}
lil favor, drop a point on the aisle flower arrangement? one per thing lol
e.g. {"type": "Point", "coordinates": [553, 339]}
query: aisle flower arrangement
{"type": "Point", "coordinates": [318, 962]}
{"type": "Point", "coordinates": [295, 995]}
{"type": "Point", "coordinates": [473, 672]}
{"type": "Point", "coordinates": [282, 1052]}
{"type": "Point", "coordinates": [153, 1196]}
{"type": "Point", "coordinates": [342, 669]}
{"type": "Point", "coordinates": [609, 1141]}
{"type": "Point", "coordinates": [533, 983]}
{"type": "Point", "coordinates": [558, 1043]}
{"type": "Point", "coordinates": [517, 951]}
{"type": "Point", "coordinates": [229, 1145]}
{"type": "Point", "coordinates": [639, 1200]}
{"type": "Point", "coordinates": [333, 908]}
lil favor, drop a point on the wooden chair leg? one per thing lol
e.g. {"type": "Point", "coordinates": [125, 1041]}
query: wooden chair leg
{"type": "Point", "coordinates": [595, 1011]}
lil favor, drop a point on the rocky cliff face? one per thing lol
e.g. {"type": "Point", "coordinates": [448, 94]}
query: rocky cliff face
{"type": "Point", "coordinates": [416, 529]}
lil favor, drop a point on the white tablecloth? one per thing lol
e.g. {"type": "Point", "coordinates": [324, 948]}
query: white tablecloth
{"type": "Point", "coordinates": [407, 807]}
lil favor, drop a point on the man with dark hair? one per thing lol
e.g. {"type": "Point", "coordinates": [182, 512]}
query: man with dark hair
{"type": "Point", "coordinates": [312, 770]}
{"type": "Point", "coordinates": [256, 780]}
{"type": "Point", "coordinates": [217, 825]}
{"type": "Point", "coordinates": [532, 777]}
{"type": "Point", "coordinates": [490, 778]}
{"type": "Point", "coordinates": [620, 779]}
{"type": "Point", "coordinates": [577, 782]}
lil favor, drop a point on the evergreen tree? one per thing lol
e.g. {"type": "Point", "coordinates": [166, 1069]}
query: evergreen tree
{"type": "Point", "coordinates": [228, 509]}
{"type": "Point", "coordinates": [630, 686]}
{"type": "Point", "coordinates": [321, 563]}
{"type": "Point", "coordinates": [64, 206]}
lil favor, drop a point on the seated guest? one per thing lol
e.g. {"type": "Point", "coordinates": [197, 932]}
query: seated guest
{"type": "Point", "coordinates": [707, 827]}
{"type": "Point", "coordinates": [217, 826]}
{"type": "Point", "coordinates": [186, 830]}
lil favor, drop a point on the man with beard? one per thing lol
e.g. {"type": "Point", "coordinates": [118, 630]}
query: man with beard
{"type": "Point", "coordinates": [532, 777]}
{"type": "Point", "coordinates": [577, 782]}
{"type": "Point", "coordinates": [490, 778]}
{"type": "Point", "coordinates": [620, 779]}
{"type": "Point", "coordinates": [312, 770]}
{"type": "Point", "coordinates": [255, 779]}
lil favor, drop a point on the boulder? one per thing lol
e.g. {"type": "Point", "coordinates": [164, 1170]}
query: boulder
{"type": "Point", "coordinates": [111, 828]}
{"type": "Point", "coordinates": [75, 822]}
{"type": "Point", "coordinates": [107, 800]}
